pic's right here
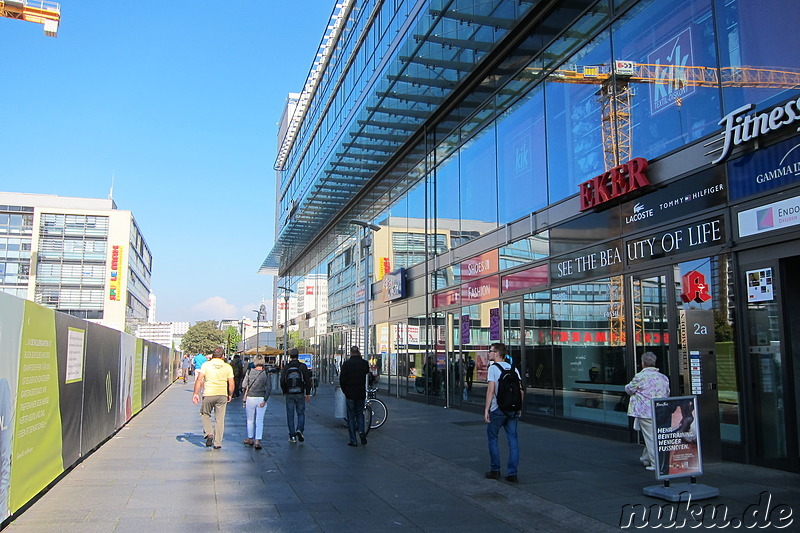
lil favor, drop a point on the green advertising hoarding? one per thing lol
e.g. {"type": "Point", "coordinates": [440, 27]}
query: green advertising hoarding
{"type": "Point", "coordinates": [37, 428]}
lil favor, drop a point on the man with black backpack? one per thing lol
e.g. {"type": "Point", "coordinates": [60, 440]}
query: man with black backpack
{"type": "Point", "coordinates": [504, 397]}
{"type": "Point", "coordinates": [296, 385]}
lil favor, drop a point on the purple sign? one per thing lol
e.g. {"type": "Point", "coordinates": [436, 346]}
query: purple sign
{"type": "Point", "coordinates": [494, 324]}
{"type": "Point", "coordinates": [465, 329]}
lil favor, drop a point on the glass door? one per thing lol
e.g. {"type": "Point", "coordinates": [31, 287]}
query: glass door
{"type": "Point", "coordinates": [771, 291]}
{"type": "Point", "coordinates": [649, 316]}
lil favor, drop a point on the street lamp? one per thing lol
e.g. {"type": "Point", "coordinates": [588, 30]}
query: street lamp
{"type": "Point", "coordinates": [286, 291]}
{"type": "Point", "coordinates": [260, 312]}
{"type": "Point", "coordinates": [366, 241]}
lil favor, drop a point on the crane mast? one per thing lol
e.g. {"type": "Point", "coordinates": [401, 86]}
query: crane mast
{"type": "Point", "coordinates": [39, 11]}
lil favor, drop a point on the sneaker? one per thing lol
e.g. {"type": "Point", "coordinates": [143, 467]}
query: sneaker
{"type": "Point", "coordinates": [209, 440]}
{"type": "Point", "coordinates": [292, 439]}
{"type": "Point", "coordinates": [650, 468]}
{"type": "Point", "coordinates": [217, 447]}
{"type": "Point", "coordinates": [493, 474]}
{"type": "Point", "coordinates": [352, 444]}
{"type": "Point", "coordinates": [512, 479]}
{"type": "Point", "coordinates": [300, 436]}
{"type": "Point", "coordinates": [363, 439]}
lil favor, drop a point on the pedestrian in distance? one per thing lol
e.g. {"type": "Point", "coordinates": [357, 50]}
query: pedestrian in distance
{"type": "Point", "coordinates": [238, 374]}
{"type": "Point", "coordinates": [199, 361]}
{"type": "Point", "coordinates": [295, 383]}
{"type": "Point", "coordinates": [647, 384]}
{"type": "Point", "coordinates": [257, 388]}
{"type": "Point", "coordinates": [353, 382]}
{"type": "Point", "coordinates": [186, 363]}
{"type": "Point", "coordinates": [215, 379]}
{"type": "Point", "coordinates": [504, 399]}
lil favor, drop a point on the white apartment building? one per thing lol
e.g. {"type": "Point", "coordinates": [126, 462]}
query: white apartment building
{"type": "Point", "coordinates": [80, 256]}
{"type": "Point", "coordinates": [165, 333]}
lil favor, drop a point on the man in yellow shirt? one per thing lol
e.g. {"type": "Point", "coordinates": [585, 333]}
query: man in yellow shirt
{"type": "Point", "coordinates": [217, 376]}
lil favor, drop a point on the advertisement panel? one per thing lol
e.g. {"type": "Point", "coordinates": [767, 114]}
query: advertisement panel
{"type": "Point", "coordinates": [101, 389]}
{"type": "Point", "coordinates": [11, 311]}
{"type": "Point", "coordinates": [127, 378]}
{"type": "Point", "coordinates": [71, 345]}
{"type": "Point", "coordinates": [136, 387]}
{"type": "Point", "coordinates": [765, 169]}
{"type": "Point", "coordinates": [770, 217]}
{"type": "Point", "coordinates": [676, 431]}
{"type": "Point", "coordinates": [37, 429]}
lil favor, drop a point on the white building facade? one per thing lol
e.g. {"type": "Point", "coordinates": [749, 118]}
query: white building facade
{"type": "Point", "coordinates": [80, 256]}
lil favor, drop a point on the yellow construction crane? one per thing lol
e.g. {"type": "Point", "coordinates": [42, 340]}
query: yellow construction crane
{"type": "Point", "coordinates": [40, 11]}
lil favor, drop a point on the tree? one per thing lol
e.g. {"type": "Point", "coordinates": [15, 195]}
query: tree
{"type": "Point", "coordinates": [203, 337]}
{"type": "Point", "coordinates": [233, 338]}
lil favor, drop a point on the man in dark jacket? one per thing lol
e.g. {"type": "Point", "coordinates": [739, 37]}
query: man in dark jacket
{"type": "Point", "coordinates": [296, 385]}
{"type": "Point", "coordinates": [353, 381]}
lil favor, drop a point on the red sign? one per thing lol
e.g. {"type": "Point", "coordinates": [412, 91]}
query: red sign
{"type": "Point", "coordinates": [444, 299]}
{"type": "Point", "coordinates": [525, 279]}
{"type": "Point", "coordinates": [310, 289]}
{"type": "Point", "coordinates": [614, 183]}
{"type": "Point", "coordinates": [695, 288]}
{"type": "Point", "coordinates": [480, 290]}
{"type": "Point", "coordinates": [480, 265]}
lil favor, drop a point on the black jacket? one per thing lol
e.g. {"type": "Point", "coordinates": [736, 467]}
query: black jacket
{"type": "Point", "coordinates": [353, 377]}
{"type": "Point", "coordinates": [303, 368]}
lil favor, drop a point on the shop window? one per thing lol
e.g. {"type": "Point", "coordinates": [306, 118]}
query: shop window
{"type": "Point", "coordinates": [589, 358]}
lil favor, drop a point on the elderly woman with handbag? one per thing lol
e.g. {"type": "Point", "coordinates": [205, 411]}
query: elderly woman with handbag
{"type": "Point", "coordinates": [257, 388]}
{"type": "Point", "coordinates": [649, 383]}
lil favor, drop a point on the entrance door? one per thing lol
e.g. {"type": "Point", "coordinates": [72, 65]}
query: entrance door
{"type": "Point", "coordinates": [771, 336]}
{"type": "Point", "coordinates": [651, 327]}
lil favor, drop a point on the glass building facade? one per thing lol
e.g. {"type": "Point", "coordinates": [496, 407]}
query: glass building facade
{"type": "Point", "coordinates": [584, 181]}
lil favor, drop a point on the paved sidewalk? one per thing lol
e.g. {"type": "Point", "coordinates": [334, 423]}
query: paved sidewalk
{"type": "Point", "coordinates": [422, 471]}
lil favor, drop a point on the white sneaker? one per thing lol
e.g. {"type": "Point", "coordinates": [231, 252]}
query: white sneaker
{"type": "Point", "coordinates": [650, 468]}
{"type": "Point", "coordinates": [292, 440]}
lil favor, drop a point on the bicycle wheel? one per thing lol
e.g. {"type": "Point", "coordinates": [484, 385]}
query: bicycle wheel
{"type": "Point", "coordinates": [367, 418]}
{"type": "Point", "coordinates": [379, 413]}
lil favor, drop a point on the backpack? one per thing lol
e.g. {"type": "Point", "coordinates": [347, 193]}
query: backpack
{"type": "Point", "coordinates": [295, 383]}
{"type": "Point", "coordinates": [509, 391]}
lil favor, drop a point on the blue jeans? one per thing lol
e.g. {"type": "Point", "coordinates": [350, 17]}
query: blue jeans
{"type": "Point", "coordinates": [355, 418]}
{"type": "Point", "coordinates": [296, 403]}
{"type": "Point", "coordinates": [497, 420]}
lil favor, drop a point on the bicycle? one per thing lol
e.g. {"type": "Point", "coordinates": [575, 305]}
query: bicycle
{"type": "Point", "coordinates": [375, 411]}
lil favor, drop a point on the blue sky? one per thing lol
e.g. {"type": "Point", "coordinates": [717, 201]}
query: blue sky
{"type": "Point", "coordinates": [178, 101]}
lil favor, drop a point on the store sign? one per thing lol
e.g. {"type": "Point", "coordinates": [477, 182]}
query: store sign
{"type": "Point", "coordinates": [384, 267]}
{"type": "Point", "coordinates": [480, 265]}
{"type": "Point", "coordinates": [480, 290]}
{"type": "Point", "coordinates": [525, 279]}
{"type": "Point", "coordinates": [446, 299]}
{"type": "Point", "coordinates": [614, 183]}
{"type": "Point", "coordinates": [394, 285]}
{"type": "Point", "coordinates": [741, 126]}
{"type": "Point", "coordinates": [694, 287]}
{"type": "Point", "coordinates": [770, 217]}
{"type": "Point", "coordinates": [704, 190]}
{"type": "Point", "coordinates": [115, 274]}
{"type": "Point", "coordinates": [465, 331]}
{"type": "Point", "coordinates": [765, 169]}
{"type": "Point", "coordinates": [597, 261]}
{"type": "Point", "coordinates": [494, 324]}
{"type": "Point", "coordinates": [680, 240]}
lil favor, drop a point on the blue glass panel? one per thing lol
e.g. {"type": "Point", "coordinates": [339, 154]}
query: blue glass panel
{"type": "Point", "coordinates": [522, 158]}
{"type": "Point", "coordinates": [668, 93]}
{"type": "Point", "coordinates": [574, 119]}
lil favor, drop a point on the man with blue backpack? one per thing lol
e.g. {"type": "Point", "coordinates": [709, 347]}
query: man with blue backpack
{"type": "Point", "coordinates": [296, 385]}
{"type": "Point", "coordinates": [504, 397]}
